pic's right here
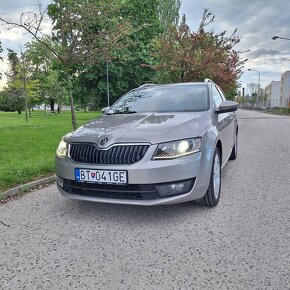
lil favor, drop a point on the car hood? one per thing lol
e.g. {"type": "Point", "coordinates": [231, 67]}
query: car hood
{"type": "Point", "coordinates": [141, 127]}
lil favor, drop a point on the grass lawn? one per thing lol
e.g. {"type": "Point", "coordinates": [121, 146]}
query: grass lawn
{"type": "Point", "coordinates": [278, 111]}
{"type": "Point", "coordinates": [27, 148]}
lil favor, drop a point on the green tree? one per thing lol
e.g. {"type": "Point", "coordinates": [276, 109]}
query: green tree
{"type": "Point", "coordinates": [42, 66]}
{"type": "Point", "coordinates": [86, 33]}
{"type": "Point", "coordinates": [129, 63]}
{"type": "Point", "coordinates": [4, 102]}
{"type": "Point", "coordinates": [55, 89]}
{"type": "Point", "coordinates": [83, 34]}
{"type": "Point", "coordinates": [14, 98]}
{"type": "Point", "coordinates": [1, 58]}
{"type": "Point", "coordinates": [23, 89]}
{"type": "Point", "coordinates": [168, 12]}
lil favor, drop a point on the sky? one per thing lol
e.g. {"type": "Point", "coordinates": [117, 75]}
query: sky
{"type": "Point", "coordinates": [257, 22]}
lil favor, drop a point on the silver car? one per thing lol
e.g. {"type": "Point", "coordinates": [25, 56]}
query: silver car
{"type": "Point", "coordinates": [157, 145]}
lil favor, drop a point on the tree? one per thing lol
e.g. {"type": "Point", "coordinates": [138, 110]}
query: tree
{"type": "Point", "coordinates": [86, 34]}
{"type": "Point", "coordinates": [83, 33]}
{"type": "Point", "coordinates": [23, 89]}
{"type": "Point", "coordinates": [253, 89]}
{"type": "Point", "coordinates": [40, 60]}
{"type": "Point", "coordinates": [15, 98]}
{"type": "Point", "coordinates": [193, 56]}
{"type": "Point", "coordinates": [1, 58]}
{"type": "Point", "coordinates": [126, 61]}
{"type": "Point", "coordinates": [51, 88]}
{"type": "Point", "coordinates": [168, 13]}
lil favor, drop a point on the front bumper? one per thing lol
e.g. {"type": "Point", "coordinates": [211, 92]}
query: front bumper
{"type": "Point", "coordinates": [196, 167]}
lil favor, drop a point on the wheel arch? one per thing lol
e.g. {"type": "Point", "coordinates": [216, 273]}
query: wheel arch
{"type": "Point", "coordinates": [220, 148]}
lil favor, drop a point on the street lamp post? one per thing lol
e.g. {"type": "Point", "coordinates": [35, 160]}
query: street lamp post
{"type": "Point", "coordinates": [107, 37]}
{"type": "Point", "coordinates": [278, 37]}
{"type": "Point", "coordinates": [285, 38]}
{"type": "Point", "coordinates": [250, 69]}
{"type": "Point", "coordinates": [108, 87]}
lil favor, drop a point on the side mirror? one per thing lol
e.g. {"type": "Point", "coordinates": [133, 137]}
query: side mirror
{"type": "Point", "coordinates": [105, 110]}
{"type": "Point", "coordinates": [226, 107]}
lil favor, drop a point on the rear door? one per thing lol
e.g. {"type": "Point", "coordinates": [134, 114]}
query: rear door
{"type": "Point", "coordinates": [225, 123]}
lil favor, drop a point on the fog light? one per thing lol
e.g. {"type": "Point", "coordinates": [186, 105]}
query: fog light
{"type": "Point", "coordinates": [177, 187]}
{"type": "Point", "coordinates": [180, 187]}
{"type": "Point", "coordinates": [59, 181]}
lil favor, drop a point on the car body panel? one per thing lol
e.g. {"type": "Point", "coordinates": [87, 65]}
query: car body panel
{"type": "Point", "coordinates": [153, 129]}
{"type": "Point", "coordinates": [150, 128]}
{"type": "Point", "coordinates": [226, 127]}
{"type": "Point", "coordinates": [147, 171]}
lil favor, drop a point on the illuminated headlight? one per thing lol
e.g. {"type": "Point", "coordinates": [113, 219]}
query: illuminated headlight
{"type": "Point", "coordinates": [177, 149]}
{"type": "Point", "coordinates": [61, 149]}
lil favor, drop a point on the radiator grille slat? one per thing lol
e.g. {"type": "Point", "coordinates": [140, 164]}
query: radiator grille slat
{"type": "Point", "coordinates": [121, 154]}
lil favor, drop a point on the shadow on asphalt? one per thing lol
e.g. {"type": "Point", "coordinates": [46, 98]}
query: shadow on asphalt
{"type": "Point", "coordinates": [81, 209]}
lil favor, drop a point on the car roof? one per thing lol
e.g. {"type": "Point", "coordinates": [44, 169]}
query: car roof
{"type": "Point", "coordinates": [149, 85]}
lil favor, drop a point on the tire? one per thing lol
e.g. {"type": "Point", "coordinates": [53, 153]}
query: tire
{"type": "Point", "coordinates": [234, 153]}
{"type": "Point", "coordinates": [212, 196]}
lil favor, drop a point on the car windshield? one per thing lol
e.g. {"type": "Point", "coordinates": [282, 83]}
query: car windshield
{"type": "Point", "coordinates": [185, 98]}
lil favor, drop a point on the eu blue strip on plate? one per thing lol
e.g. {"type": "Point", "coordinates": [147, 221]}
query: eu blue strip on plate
{"type": "Point", "coordinates": [77, 174]}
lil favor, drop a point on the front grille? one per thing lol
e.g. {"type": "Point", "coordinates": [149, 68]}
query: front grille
{"type": "Point", "coordinates": [129, 191]}
{"type": "Point", "coordinates": [121, 154]}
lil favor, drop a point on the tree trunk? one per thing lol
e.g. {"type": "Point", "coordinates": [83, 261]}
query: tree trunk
{"type": "Point", "coordinates": [72, 106]}
{"type": "Point", "coordinates": [58, 108]}
{"type": "Point", "coordinates": [19, 111]}
{"type": "Point", "coordinates": [51, 103]}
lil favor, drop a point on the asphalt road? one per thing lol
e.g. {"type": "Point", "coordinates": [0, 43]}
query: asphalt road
{"type": "Point", "coordinates": [48, 242]}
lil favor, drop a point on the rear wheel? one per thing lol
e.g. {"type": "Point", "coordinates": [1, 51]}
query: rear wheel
{"type": "Point", "coordinates": [234, 153]}
{"type": "Point", "coordinates": [212, 196]}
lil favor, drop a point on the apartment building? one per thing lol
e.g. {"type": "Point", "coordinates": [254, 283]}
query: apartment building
{"type": "Point", "coordinates": [278, 92]}
{"type": "Point", "coordinates": [285, 90]}
{"type": "Point", "coordinates": [272, 92]}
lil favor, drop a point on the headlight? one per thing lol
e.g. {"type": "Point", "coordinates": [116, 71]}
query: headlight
{"type": "Point", "coordinates": [177, 149]}
{"type": "Point", "coordinates": [61, 149]}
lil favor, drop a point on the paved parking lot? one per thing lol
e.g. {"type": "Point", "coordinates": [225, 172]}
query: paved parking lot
{"type": "Point", "coordinates": [48, 242]}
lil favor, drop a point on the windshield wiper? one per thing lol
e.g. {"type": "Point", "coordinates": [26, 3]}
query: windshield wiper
{"type": "Point", "coordinates": [122, 113]}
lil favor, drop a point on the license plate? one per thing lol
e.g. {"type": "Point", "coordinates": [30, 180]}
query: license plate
{"type": "Point", "coordinates": [101, 176]}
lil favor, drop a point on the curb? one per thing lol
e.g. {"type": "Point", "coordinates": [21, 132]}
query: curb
{"type": "Point", "coordinates": [26, 187]}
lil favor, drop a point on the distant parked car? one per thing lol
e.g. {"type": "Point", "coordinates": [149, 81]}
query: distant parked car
{"type": "Point", "coordinates": [158, 144]}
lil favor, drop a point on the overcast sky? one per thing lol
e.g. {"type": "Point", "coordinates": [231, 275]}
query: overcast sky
{"type": "Point", "coordinates": [257, 22]}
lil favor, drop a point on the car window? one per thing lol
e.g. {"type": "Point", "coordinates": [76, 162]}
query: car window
{"type": "Point", "coordinates": [185, 98]}
{"type": "Point", "coordinates": [217, 99]}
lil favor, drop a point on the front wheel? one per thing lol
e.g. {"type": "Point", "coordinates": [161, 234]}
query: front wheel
{"type": "Point", "coordinates": [212, 196]}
